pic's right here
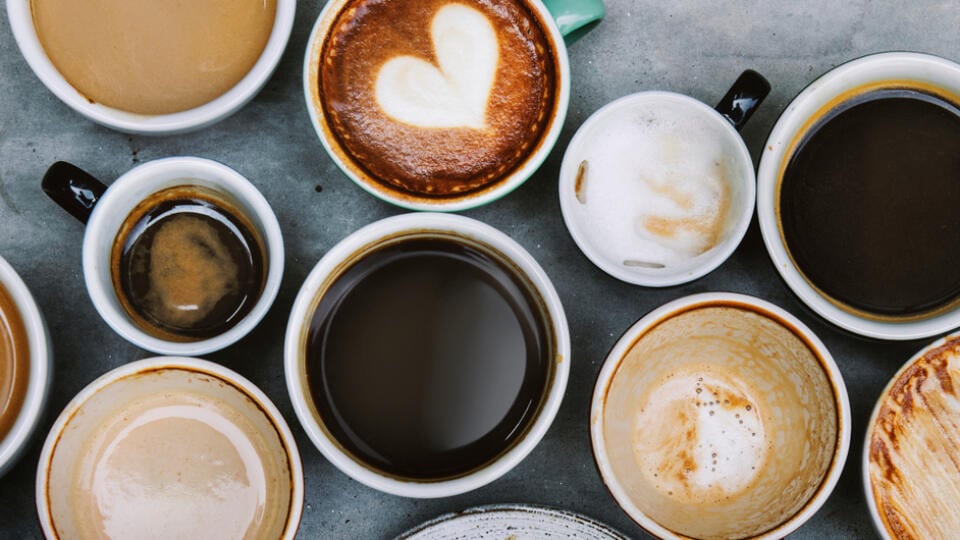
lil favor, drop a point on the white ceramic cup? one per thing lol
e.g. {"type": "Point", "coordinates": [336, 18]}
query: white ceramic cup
{"type": "Point", "coordinates": [41, 368]}
{"type": "Point", "coordinates": [330, 267]}
{"type": "Point", "coordinates": [799, 402]}
{"type": "Point", "coordinates": [894, 69]}
{"type": "Point", "coordinates": [111, 209]}
{"type": "Point", "coordinates": [662, 134]}
{"type": "Point", "coordinates": [251, 427]}
{"type": "Point", "coordinates": [25, 33]}
{"type": "Point", "coordinates": [311, 90]}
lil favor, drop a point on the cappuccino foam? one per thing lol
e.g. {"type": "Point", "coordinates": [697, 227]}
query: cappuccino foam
{"type": "Point", "coordinates": [655, 184]}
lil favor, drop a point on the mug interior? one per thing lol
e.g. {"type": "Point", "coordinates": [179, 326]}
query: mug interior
{"type": "Point", "coordinates": [126, 193]}
{"type": "Point", "coordinates": [719, 419]}
{"type": "Point", "coordinates": [413, 201]}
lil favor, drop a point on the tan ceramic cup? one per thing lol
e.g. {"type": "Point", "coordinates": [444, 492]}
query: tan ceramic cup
{"type": "Point", "coordinates": [911, 456]}
{"type": "Point", "coordinates": [175, 445]}
{"type": "Point", "coordinates": [720, 415]}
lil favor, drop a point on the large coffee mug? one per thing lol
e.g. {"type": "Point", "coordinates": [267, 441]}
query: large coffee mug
{"type": "Point", "coordinates": [25, 365]}
{"type": "Point", "coordinates": [23, 23]}
{"type": "Point", "coordinates": [426, 355]}
{"type": "Point", "coordinates": [181, 256]}
{"type": "Point", "coordinates": [439, 105]}
{"type": "Point", "coordinates": [857, 198]}
{"type": "Point", "coordinates": [720, 415]}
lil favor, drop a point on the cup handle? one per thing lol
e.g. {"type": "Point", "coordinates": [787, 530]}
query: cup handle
{"type": "Point", "coordinates": [575, 18]}
{"type": "Point", "coordinates": [743, 98]}
{"type": "Point", "coordinates": [73, 189]}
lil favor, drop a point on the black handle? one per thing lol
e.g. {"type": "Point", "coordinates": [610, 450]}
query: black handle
{"type": "Point", "coordinates": [743, 98]}
{"type": "Point", "coordinates": [73, 189]}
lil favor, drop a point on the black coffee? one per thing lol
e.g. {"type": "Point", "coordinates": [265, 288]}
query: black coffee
{"type": "Point", "coordinates": [427, 358]}
{"type": "Point", "coordinates": [869, 203]}
{"type": "Point", "coordinates": [187, 266]}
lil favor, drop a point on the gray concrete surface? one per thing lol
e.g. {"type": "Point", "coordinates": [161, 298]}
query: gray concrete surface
{"type": "Point", "coordinates": [692, 47]}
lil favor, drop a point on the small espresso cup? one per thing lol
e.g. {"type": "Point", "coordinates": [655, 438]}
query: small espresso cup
{"type": "Point", "coordinates": [20, 13]}
{"type": "Point", "coordinates": [25, 365]}
{"type": "Point", "coordinates": [720, 415]}
{"type": "Point", "coordinates": [912, 447]}
{"type": "Point", "coordinates": [829, 230]}
{"type": "Point", "coordinates": [451, 119]}
{"type": "Point", "coordinates": [657, 188]}
{"type": "Point", "coordinates": [179, 445]}
{"type": "Point", "coordinates": [181, 256]}
{"type": "Point", "coordinates": [426, 355]}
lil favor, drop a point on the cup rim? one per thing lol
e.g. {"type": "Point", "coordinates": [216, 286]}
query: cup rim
{"type": "Point", "coordinates": [776, 150]}
{"type": "Point", "coordinates": [871, 424]}
{"type": "Point", "coordinates": [411, 201]}
{"type": "Point", "coordinates": [15, 442]}
{"type": "Point", "coordinates": [721, 252]}
{"type": "Point", "coordinates": [157, 363]}
{"type": "Point", "coordinates": [25, 34]}
{"type": "Point", "coordinates": [666, 311]}
{"type": "Point", "coordinates": [153, 171]}
{"type": "Point", "coordinates": [301, 314]}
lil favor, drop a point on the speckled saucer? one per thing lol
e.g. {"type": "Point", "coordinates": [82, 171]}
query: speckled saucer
{"type": "Point", "coordinates": [513, 521]}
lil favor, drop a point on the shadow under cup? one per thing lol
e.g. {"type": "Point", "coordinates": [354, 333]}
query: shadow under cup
{"type": "Point", "coordinates": [720, 418]}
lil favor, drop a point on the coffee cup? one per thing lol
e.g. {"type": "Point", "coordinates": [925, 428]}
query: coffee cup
{"type": "Point", "coordinates": [912, 447]}
{"type": "Point", "coordinates": [179, 445]}
{"type": "Point", "coordinates": [426, 355]}
{"type": "Point", "coordinates": [865, 250]}
{"type": "Point", "coordinates": [25, 365]}
{"type": "Point", "coordinates": [181, 256]}
{"type": "Point", "coordinates": [157, 82]}
{"type": "Point", "coordinates": [657, 188]}
{"type": "Point", "coordinates": [720, 415]}
{"type": "Point", "coordinates": [440, 105]}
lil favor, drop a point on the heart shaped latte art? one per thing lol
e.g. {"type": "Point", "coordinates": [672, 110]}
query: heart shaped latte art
{"type": "Point", "coordinates": [453, 93]}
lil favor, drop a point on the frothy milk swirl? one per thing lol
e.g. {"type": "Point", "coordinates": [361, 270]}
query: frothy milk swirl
{"type": "Point", "coordinates": [454, 93]}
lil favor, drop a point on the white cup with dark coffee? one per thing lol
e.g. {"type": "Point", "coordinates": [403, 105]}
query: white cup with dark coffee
{"type": "Point", "coordinates": [440, 105]}
{"type": "Point", "coordinates": [426, 355]}
{"type": "Point", "coordinates": [181, 256]}
{"type": "Point", "coordinates": [150, 68]}
{"type": "Point", "coordinates": [857, 195]}
{"type": "Point", "coordinates": [25, 365]}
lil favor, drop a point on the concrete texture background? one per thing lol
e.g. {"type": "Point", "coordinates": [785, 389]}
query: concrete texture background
{"type": "Point", "coordinates": [693, 47]}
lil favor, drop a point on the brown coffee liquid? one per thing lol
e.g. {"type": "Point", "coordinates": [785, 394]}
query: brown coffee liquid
{"type": "Point", "coordinates": [869, 203]}
{"type": "Point", "coordinates": [14, 362]}
{"type": "Point", "coordinates": [187, 267]}
{"type": "Point", "coordinates": [428, 358]}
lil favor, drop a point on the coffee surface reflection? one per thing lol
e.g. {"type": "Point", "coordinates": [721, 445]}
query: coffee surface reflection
{"type": "Point", "coordinates": [14, 362]}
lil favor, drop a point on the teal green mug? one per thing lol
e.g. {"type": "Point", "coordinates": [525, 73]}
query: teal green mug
{"type": "Point", "coordinates": [442, 105]}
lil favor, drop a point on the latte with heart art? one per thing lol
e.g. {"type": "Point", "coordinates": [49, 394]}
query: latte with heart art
{"type": "Point", "coordinates": [438, 98]}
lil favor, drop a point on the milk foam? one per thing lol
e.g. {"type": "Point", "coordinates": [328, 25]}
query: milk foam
{"type": "Point", "coordinates": [657, 188]}
{"type": "Point", "coordinates": [699, 437]}
{"type": "Point", "coordinates": [454, 93]}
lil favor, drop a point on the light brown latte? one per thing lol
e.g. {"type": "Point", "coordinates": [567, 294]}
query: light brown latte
{"type": "Point", "coordinates": [14, 362]}
{"type": "Point", "coordinates": [150, 57]}
{"type": "Point", "coordinates": [437, 98]}
{"type": "Point", "coordinates": [914, 448]}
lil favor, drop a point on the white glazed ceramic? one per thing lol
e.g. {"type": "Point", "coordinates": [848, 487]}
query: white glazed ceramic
{"type": "Point", "coordinates": [136, 185]}
{"type": "Point", "coordinates": [742, 189]}
{"type": "Point", "coordinates": [873, 70]}
{"type": "Point", "coordinates": [674, 308]}
{"type": "Point", "coordinates": [519, 521]}
{"type": "Point", "coordinates": [21, 22]}
{"type": "Point", "coordinates": [331, 264]}
{"type": "Point", "coordinates": [412, 202]}
{"type": "Point", "coordinates": [41, 368]}
{"type": "Point", "coordinates": [81, 419]}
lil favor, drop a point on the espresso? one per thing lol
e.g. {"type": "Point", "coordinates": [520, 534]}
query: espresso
{"type": "Point", "coordinates": [187, 265]}
{"type": "Point", "coordinates": [438, 98]}
{"type": "Point", "coordinates": [150, 57]}
{"type": "Point", "coordinates": [428, 358]}
{"type": "Point", "coordinates": [14, 362]}
{"type": "Point", "coordinates": [868, 203]}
